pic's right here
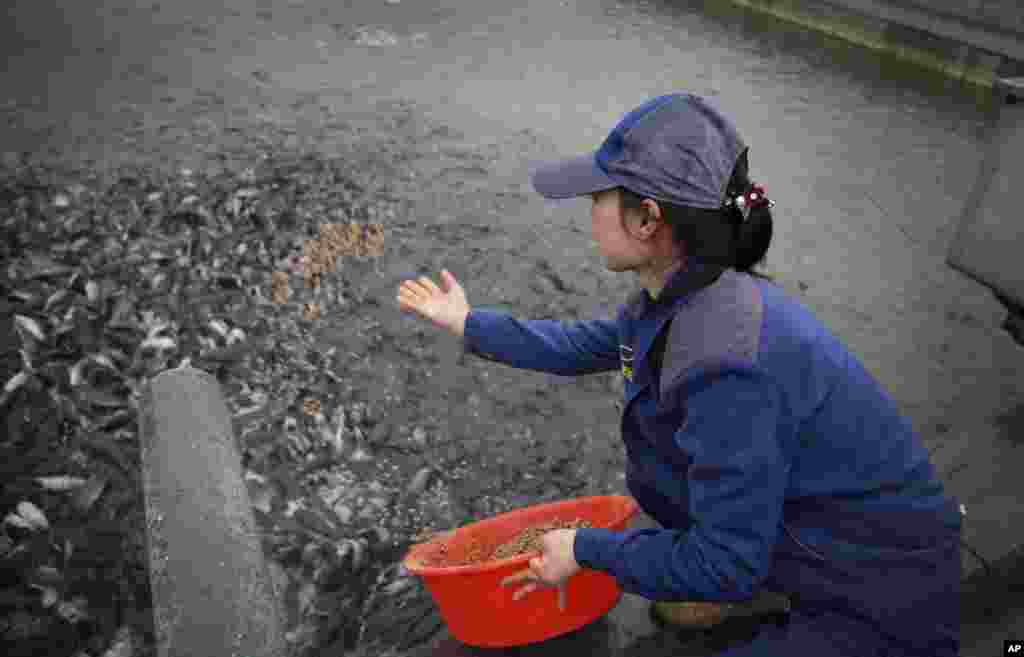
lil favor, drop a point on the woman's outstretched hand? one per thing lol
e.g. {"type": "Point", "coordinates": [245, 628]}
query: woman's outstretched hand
{"type": "Point", "coordinates": [445, 306]}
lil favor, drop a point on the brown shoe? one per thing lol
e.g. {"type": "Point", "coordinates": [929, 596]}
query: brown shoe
{"type": "Point", "coordinates": [690, 615]}
{"type": "Point", "coordinates": [704, 615]}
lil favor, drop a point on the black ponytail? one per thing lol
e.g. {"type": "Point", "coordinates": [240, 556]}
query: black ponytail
{"type": "Point", "coordinates": [751, 238]}
{"type": "Point", "coordinates": [720, 236]}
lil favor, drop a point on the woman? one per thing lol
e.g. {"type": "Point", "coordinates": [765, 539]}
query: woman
{"type": "Point", "coordinates": [769, 455]}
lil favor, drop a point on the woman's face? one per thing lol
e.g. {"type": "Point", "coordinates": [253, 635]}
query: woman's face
{"type": "Point", "coordinates": [644, 247]}
{"type": "Point", "coordinates": [622, 250]}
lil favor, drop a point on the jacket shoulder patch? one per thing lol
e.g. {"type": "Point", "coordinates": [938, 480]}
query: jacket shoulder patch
{"type": "Point", "coordinates": [720, 322]}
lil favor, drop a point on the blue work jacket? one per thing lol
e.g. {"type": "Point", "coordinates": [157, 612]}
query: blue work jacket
{"type": "Point", "coordinates": [770, 456]}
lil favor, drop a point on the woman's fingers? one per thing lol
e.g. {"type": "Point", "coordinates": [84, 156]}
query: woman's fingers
{"type": "Point", "coordinates": [533, 585]}
{"type": "Point", "coordinates": [430, 285]}
{"type": "Point", "coordinates": [523, 576]}
{"type": "Point", "coordinates": [529, 588]}
{"type": "Point", "coordinates": [415, 284]}
{"type": "Point", "coordinates": [408, 301]}
{"type": "Point", "coordinates": [419, 290]}
{"type": "Point", "coordinates": [413, 294]}
{"type": "Point", "coordinates": [413, 287]}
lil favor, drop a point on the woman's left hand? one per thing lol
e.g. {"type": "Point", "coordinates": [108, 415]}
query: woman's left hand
{"type": "Point", "coordinates": [553, 568]}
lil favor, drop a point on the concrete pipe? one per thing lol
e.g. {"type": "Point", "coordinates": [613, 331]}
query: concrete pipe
{"type": "Point", "coordinates": [212, 590]}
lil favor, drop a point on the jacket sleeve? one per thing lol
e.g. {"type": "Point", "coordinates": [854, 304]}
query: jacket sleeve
{"type": "Point", "coordinates": [735, 431]}
{"type": "Point", "coordinates": [544, 345]}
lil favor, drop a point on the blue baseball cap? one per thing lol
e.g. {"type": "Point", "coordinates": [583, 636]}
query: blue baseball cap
{"type": "Point", "coordinates": [676, 148]}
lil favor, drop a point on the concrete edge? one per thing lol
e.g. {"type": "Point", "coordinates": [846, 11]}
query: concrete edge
{"type": "Point", "coordinates": [979, 33]}
{"type": "Point", "coordinates": [950, 58]}
{"type": "Point", "coordinates": [987, 595]}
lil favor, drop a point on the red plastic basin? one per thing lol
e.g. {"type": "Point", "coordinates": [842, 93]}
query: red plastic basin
{"type": "Point", "coordinates": [480, 612]}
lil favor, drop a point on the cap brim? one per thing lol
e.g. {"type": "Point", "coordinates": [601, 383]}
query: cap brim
{"type": "Point", "coordinates": [568, 178]}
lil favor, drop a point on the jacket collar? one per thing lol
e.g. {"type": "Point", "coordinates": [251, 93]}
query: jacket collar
{"type": "Point", "coordinates": [680, 285]}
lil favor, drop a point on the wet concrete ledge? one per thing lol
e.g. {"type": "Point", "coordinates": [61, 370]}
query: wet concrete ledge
{"type": "Point", "coordinates": [956, 40]}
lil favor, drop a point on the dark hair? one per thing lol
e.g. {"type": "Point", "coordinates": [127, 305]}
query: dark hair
{"type": "Point", "coordinates": [718, 236]}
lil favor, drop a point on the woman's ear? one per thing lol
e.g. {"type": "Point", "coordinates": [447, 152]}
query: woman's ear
{"type": "Point", "coordinates": [652, 209]}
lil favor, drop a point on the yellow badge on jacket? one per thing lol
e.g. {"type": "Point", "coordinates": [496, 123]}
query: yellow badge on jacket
{"type": "Point", "coordinates": [626, 354]}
